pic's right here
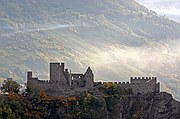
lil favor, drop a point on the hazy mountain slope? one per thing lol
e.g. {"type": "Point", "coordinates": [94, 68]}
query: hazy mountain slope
{"type": "Point", "coordinates": [117, 38]}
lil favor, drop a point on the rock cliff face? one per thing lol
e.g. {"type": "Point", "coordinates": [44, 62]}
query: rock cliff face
{"type": "Point", "coordinates": [90, 106]}
{"type": "Point", "coordinates": [147, 106]}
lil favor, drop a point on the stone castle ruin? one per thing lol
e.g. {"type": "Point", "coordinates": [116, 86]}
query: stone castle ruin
{"type": "Point", "coordinates": [64, 82]}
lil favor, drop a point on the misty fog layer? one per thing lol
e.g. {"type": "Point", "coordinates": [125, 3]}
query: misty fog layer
{"type": "Point", "coordinates": [118, 63]}
{"type": "Point", "coordinates": [25, 29]}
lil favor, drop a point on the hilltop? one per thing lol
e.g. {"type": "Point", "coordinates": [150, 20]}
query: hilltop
{"type": "Point", "coordinates": [117, 38]}
{"type": "Point", "coordinates": [90, 106]}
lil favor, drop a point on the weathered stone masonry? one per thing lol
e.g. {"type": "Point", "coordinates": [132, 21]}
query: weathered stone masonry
{"type": "Point", "coordinates": [63, 82]}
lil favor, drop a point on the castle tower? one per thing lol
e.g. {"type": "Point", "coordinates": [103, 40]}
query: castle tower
{"type": "Point", "coordinates": [29, 75]}
{"type": "Point", "coordinates": [29, 78]}
{"type": "Point", "coordinates": [57, 74]}
{"type": "Point", "coordinates": [89, 78]}
{"type": "Point", "coordinates": [70, 79]}
{"type": "Point", "coordinates": [30, 81]}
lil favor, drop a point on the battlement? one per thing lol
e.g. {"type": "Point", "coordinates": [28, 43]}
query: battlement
{"type": "Point", "coordinates": [62, 79]}
{"type": "Point", "coordinates": [142, 78]}
{"type": "Point", "coordinates": [44, 81]}
{"type": "Point", "coordinates": [119, 83]}
{"type": "Point", "coordinates": [123, 83]}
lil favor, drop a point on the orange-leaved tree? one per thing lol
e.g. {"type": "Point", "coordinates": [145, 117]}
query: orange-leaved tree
{"type": "Point", "coordinates": [10, 86]}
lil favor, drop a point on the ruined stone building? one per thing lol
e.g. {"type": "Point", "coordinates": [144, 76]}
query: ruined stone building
{"type": "Point", "coordinates": [140, 85]}
{"type": "Point", "coordinates": [64, 82]}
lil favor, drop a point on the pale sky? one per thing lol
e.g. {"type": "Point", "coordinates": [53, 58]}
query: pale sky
{"type": "Point", "coordinates": [170, 8]}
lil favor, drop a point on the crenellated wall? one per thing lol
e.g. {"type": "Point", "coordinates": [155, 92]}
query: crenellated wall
{"type": "Point", "coordinates": [139, 85]}
{"type": "Point", "coordinates": [144, 84]}
{"type": "Point", "coordinates": [62, 81]}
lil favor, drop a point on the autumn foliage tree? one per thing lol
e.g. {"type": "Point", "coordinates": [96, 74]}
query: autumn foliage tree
{"type": "Point", "coordinates": [10, 86]}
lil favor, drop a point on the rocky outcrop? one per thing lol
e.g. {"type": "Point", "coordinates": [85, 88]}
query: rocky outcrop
{"type": "Point", "coordinates": [90, 106]}
{"type": "Point", "coordinates": [147, 106]}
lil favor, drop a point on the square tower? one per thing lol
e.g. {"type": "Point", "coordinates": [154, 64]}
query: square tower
{"type": "Point", "coordinates": [57, 74]}
{"type": "Point", "coordinates": [54, 72]}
